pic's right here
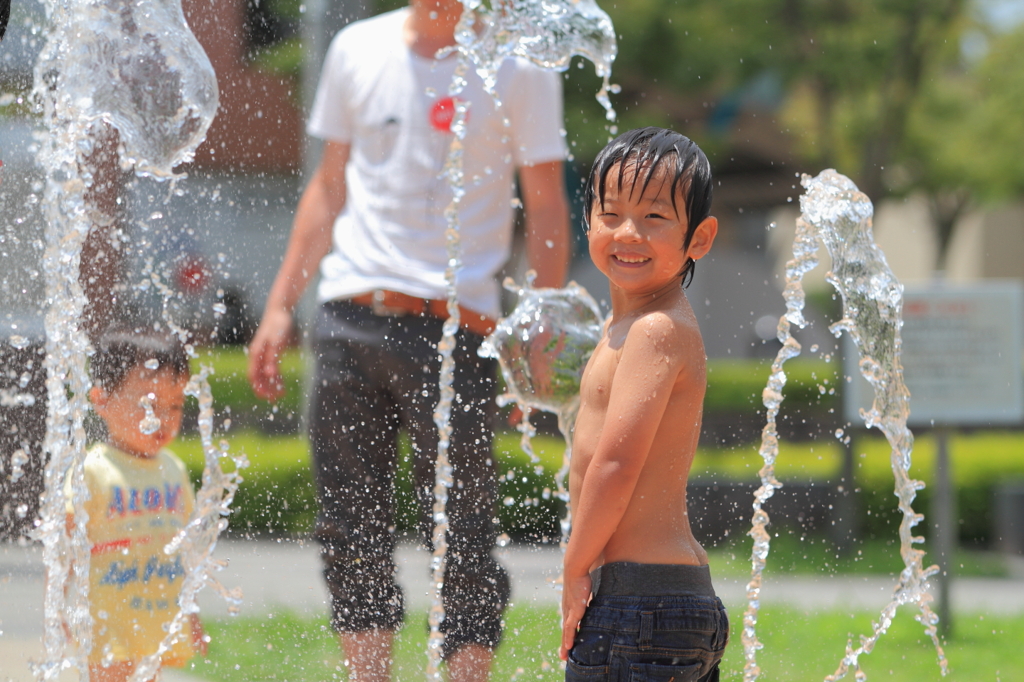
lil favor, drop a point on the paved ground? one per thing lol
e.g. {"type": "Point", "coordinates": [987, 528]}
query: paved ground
{"type": "Point", "coordinates": [285, 575]}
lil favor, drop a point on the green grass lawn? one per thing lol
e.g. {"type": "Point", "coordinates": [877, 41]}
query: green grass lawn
{"type": "Point", "coordinates": [798, 646]}
{"type": "Point", "coordinates": [815, 555]}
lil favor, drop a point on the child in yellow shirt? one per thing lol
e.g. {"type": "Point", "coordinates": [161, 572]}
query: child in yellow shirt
{"type": "Point", "coordinates": [140, 496]}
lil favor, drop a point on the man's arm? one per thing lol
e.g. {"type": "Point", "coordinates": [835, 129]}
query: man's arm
{"type": "Point", "coordinates": [547, 222]}
{"type": "Point", "coordinates": [102, 265]}
{"type": "Point", "coordinates": [321, 202]}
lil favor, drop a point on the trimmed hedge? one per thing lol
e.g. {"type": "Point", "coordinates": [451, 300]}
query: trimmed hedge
{"type": "Point", "coordinates": [278, 497]}
{"type": "Point", "coordinates": [734, 387]}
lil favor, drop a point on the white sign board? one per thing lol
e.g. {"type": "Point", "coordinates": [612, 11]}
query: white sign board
{"type": "Point", "coordinates": [962, 353]}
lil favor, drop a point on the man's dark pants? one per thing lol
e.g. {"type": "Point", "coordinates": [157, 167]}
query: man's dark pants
{"type": "Point", "coordinates": [377, 375]}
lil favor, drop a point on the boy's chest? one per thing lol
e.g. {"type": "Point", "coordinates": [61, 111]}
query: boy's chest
{"type": "Point", "coordinates": [137, 506]}
{"type": "Point", "coordinates": [598, 377]}
{"type": "Point", "coordinates": [140, 516]}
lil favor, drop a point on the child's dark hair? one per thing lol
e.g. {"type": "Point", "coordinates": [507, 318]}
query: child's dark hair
{"type": "Point", "coordinates": [121, 350]}
{"type": "Point", "coordinates": [646, 150]}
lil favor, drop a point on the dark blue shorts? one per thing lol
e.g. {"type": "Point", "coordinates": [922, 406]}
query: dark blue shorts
{"type": "Point", "coordinates": [679, 635]}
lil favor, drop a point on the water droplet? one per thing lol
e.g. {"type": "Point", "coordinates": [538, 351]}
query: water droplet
{"type": "Point", "coordinates": [17, 460]}
{"type": "Point", "coordinates": [150, 423]}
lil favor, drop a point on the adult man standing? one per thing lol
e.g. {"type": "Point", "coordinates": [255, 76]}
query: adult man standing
{"type": "Point", "coordinates": [375, 209]}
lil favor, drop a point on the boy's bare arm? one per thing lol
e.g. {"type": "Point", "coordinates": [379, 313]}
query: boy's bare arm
{"type": "Point", "coordinates": [647, 371]}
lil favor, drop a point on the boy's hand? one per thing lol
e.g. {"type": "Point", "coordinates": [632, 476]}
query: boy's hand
{"type": "Point", "coordinates": [575, 597]}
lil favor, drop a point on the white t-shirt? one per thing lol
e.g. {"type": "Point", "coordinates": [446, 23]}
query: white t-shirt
{"type": "Point", "coordinates": [392, 107]}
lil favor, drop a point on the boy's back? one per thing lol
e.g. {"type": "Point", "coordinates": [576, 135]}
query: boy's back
{"type": "Point", "coordinates": [637, 596]}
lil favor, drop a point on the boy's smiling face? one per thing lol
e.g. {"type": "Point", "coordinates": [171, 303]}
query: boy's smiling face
{"type": "Point", "coordinates": [122, 409]}
{"type": "Point", "coordinates": [636, 238]}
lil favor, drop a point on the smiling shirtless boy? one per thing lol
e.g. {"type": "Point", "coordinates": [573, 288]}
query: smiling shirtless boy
{"type": "Point", "coordinates": [638, 601]}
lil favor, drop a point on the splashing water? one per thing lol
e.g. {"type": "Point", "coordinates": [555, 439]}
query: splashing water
{"type": "Point", "coordinates": [11, 399]}
{"type": "Point", "coordinates": [543, 347]}
{"type": "Point", "coordinates": [837, 214]}
{"type": "Point", "coordinates": [139, 69]}
{"type": "Point", "coordinates": [150, 423]}
{"type": "Point", "coordinates": [544, 343]}
{"type": "Point", "coordinates": [196, 542]}
{"type": "Point", "coordinates": [548, 34]}
{"type": "Point", "coordinates": [18, 460]}
{"type": "Point", "coordinates": [446, 347]}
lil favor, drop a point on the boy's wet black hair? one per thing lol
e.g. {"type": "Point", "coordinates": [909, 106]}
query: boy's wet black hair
{"type": "Point", "coordinates": [5, 15]}
{"type": "Point", "coordinates": [646, 150]}
{"type": "Point", "coordinates": [121, 350]}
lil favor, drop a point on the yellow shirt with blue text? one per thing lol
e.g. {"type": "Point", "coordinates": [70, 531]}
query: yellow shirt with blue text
{"type": "Point", "coordinates": [136, 506]}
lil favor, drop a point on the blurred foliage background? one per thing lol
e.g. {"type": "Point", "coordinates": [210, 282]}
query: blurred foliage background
{"type": "Point", "coordinates": [907, 97]}
{"type": "Point", "coordinates": [904, 96]}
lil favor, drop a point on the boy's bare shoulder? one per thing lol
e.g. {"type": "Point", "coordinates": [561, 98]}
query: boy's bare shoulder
{"type": "Point", "coordinates": [671, 332]}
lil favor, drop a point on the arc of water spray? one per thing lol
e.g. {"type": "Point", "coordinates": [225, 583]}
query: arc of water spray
{"type": "Point", "coordinates": [484, 38]}
{"type": "Point", "coordinates": [142, 72]}
{"type": "Point", "coordinates": [542, 347]}
{"type": "Point", "coordinates": [840, 216]}
{"type": "Point", "coordinates": [446, 347]}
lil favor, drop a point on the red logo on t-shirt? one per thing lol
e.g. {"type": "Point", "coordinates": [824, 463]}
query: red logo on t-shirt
{"type": "Point", "coordinates": [442, 114]}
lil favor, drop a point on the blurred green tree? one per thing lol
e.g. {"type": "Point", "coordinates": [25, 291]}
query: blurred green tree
{"type": "Point", "coordinates": [965, 133]}
{"type": "Point", "coordinates": [850, 71]}
{"type": "Point", "coordinates": [897, 94]}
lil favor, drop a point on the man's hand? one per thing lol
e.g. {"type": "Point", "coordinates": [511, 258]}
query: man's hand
{"type": "Point", "coordinates": [272, 337]}
{"type": "Point", "coordinates": [199, 641]}
{"type": "Point", "coordinates": [321, 202]}
{"type": "Point", "coordinates": [575, 597]}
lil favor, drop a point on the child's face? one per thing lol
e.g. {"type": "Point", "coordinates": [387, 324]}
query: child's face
{"type": "Point", "coordinates": [636, 239]}
{"type": "Point", "coordinates": [122, 409]}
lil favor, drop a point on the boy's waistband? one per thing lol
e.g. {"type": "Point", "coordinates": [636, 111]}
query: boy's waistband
{"type": "Point", "coordinates": [629, 579]}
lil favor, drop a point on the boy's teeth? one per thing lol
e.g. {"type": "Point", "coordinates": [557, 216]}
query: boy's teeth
{"type": "Point", "coordinates": [627, 259]}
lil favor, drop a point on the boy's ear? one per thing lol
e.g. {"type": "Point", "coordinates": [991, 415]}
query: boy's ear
{"type": "Point", "coordinates": [703, 238]}
{"type": "Point", "coordinates": [98, 397]}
